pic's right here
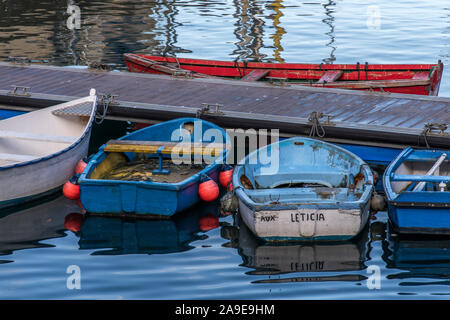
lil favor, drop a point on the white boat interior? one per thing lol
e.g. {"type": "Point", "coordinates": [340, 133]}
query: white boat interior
{"type": "Point", "coordinates": [39, 133]}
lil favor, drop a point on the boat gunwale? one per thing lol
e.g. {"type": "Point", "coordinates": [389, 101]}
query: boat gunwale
{"type": "Point", "coordinates": [281, 66]}
{"type": "Point", "coordinates": [193, 179]}
{"type": "Point", "coordinates": [91, 98]}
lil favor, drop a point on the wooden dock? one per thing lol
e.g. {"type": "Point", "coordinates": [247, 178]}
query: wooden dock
{"type": "Point", "coordinates": [368, 117]}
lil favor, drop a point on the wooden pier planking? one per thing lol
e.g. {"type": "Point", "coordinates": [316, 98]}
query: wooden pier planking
{"type": "Point", "coordinates": [149, 96]}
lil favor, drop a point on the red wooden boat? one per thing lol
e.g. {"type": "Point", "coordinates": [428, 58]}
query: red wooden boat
{"type": "Point", "coordinates": [423, 79]}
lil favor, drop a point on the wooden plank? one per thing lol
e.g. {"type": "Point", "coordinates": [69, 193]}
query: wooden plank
{"type": "Point", "coordinates": [255, 75]}
{"type": "Point", "coordinates": [169, 147]}
{"type": "Point", "coordinates": [330, 76]}
{"type": "Point", "coordinates": [37, 137]}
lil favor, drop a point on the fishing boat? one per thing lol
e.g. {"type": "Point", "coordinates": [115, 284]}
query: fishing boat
{"type": "Point", "coordinates": [309, 190]}
{"type": "Point", "coordinates": [40, 149]}
{"type": "Point", "coordinates": [143, 172]}
{"type": "Point", "coordinates": [422, 79]}
{"type": "Point", "coordinates": [417, 188]}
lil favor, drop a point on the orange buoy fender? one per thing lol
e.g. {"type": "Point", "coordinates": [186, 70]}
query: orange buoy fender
{"type": "Point", "coordinates": [208, 190]}
{"type": "Point", "coordinates": [73, 221]}
{"type": "Point", "coordinates": [79, 168]}
{"type": "Point", "coordinates": [209, 222]}
{"type": "Point", "coordinates": [71, 189]}
{"type": "Point", "coordinates": [226, 175]}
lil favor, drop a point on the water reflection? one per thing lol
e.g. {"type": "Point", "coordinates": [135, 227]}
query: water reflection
{"type": "Point", "coordinates": [23, 228]}
{"type": "Point", "coordinates": [418, 260]}
{"type": "Point", "coordinates": [120, 236]}
{"type": "Point", "coordinates": [329, 20]}
{"type": "Point", "coordinates": [277, 6]}
{"type": "Point", "coordinates": [309, 258]}
{"type": "Point", "coordinates": [249, 30]}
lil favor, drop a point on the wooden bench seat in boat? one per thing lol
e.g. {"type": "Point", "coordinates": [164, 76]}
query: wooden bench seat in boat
{"type": "Point", "coordinates": [330, 179]}
{"type": "Point", "coordinates": [296, 195]}
{"type": "Point", "coordinates": [37, 137]}
{"type": "Point", "coordinates": [165, 147]}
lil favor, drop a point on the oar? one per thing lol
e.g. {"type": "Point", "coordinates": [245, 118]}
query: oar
{"type": "Point", "coordinates": [430, 172]}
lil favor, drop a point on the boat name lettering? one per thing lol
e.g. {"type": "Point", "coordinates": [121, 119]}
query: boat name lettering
{"type": "Point", "coordinates": [307, 266]}
{"type": "Point", "coordinates": [300, 217]}
{"type": "Point", "coordinates": [268, 218]}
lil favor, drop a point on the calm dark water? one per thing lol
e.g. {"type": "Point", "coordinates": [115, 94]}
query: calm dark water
{"type": "Point", "coordinates": [200, 254]}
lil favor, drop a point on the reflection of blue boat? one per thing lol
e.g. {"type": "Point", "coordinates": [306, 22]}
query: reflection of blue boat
{"type": "Point", "coordinates": [146, 236]}
{"type": "Point", "coordinates": [416, 186]}
{"type": "Point", "coordinates": [309, 190]}
{"type": "Point", "coordinates": [101, 195]}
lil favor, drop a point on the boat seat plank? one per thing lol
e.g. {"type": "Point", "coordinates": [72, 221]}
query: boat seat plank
{"type": "Point", "coordinates": [37, 137]}
{"type": "Point", "coordinates": [424, 178]}
{"type": "Point", "coordinates": [16, 157]}
{"type": "Point", "coordinates": [330, 76]}
{"type": "Point", "coordinates": [255, 75]}
{"type": "Point", "coordinates": [421, 76]}
{"type": "Point", "coordinates": [168, 147]}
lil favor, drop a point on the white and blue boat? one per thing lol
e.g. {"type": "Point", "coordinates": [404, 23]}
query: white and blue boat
{"type": "Point", "coordinates": [417, 184]}
{"type": "Point", "coordinates": [302, 189]}
{"type": "Point", "coordinates": [153, 195]}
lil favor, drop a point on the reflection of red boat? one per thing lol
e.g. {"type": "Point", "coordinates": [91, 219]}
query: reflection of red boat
{"type": "Point", "coordinates": [421, 79]}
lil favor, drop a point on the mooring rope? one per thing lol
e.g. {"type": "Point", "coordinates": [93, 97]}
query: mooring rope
{"type": "Point", "coordinates": [106, 100]}
{"type": "Point", "coordinates": [316, 127]}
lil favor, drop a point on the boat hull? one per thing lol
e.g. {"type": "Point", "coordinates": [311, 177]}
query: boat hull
{"type": "Point", "coordinates": [30, 180]}
{"type": "Point", "coordinates": [305, 223]}
{"type": "Point", "coordinates": [420, 220]}
{"type": "Point", "coordinates": [422, 79]}
{"type": "Point", "coordinates": [140, 198]}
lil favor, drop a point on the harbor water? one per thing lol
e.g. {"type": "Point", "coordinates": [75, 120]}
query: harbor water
{"type": "Point", "coordinates": [200, 253]}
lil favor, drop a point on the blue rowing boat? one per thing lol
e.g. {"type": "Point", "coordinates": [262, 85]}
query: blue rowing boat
{"type": "Point", "coordinates": [302, 189]}
{"type": "Point", "coordinates": [417, 188]}
{"type": "Point", "coordinates": [160, 169]}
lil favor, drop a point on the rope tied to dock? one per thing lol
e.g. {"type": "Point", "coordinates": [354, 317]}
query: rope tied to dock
{"type": "Point", "coordinates": [316, 127]}
{"type": "Point", "coordinates": [106, 100]}
{"type": "Point", "coordinates": [429, 128]}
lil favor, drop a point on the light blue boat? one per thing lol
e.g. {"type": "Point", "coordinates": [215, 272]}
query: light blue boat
{"type": "Point", "coordinates": [149, 197]}
{"type": "Point", "coordinates": [302, 189]}
{"type": "Point", "coordinates": [416, 184]}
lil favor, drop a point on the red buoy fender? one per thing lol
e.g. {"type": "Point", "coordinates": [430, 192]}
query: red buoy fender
{"type": "Point", "coordinates": [71, 189]}
{"type": "Point", "coordinates": [79, 168]}
{"type": "Point", "coordinates": [226, 175]}
{"type": "Point", "coordinates": [208, 190]}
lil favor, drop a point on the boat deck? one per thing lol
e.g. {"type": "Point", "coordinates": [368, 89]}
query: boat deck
{"type": "Point", "coordinates": [382, 117]}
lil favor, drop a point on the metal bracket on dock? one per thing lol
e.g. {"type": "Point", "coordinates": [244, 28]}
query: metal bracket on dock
{"type": "Point", "coordinates": [206, 110]}
{"type": "Point", "coordinates": [430, 128]}
{"type": "Point", "coordinates": [22, 91]}
{"type": "Point", "coordinates": [277, 81]}
{"type": "Point", "coordinates": [316, 125]}
{"type": "Point", "coordinates": [109, 99]}
{"type": "Point", "coordinates": [182, 74]}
